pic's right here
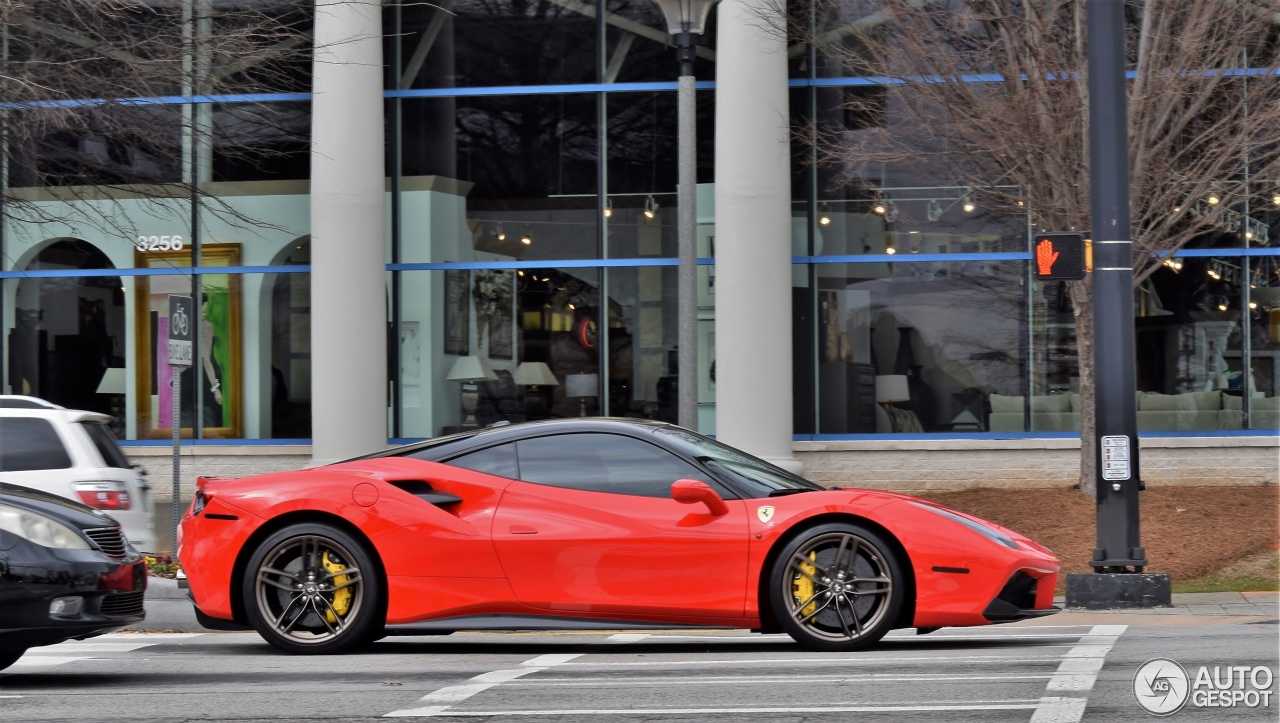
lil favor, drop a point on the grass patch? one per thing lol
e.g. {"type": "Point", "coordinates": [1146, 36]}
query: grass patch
{"type": "Point", "coordinates": [1226, 584]}
{"type": "Point", "coordinates": [1251, 573]}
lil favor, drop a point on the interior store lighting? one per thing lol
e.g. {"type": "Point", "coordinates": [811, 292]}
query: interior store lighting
{"type": "Point", "coordinates": [934, 210]}
{"type": "Point", "coordinates": [879, 208]}
{"type": "Point", "coordinates": [968, 204]}
{"type": "Point", "coordinates": [1213, 199]}
{"type": "Point", "coordinates": [608, 207]}
{"type": "Point", "coordinates": [502, 234]}
{"type": "Point", "coordinates": [824, 220]}
{"type": "Point", "coordinates": [1276, 199]}
{"type": "Point", "coordinates": [1222, 305]}
{"type": "Point", "coordinates": [650, 208]}
{"type": "Point", "coordinates": [526, 239]}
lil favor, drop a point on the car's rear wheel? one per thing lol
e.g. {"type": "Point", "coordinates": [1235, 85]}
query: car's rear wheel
{"type": "Point", "coordinates": [838, 586]}
{"type": "Point", "coordinates": [312, 588]}
{"type": "Point", "coordinates": [10, 656]}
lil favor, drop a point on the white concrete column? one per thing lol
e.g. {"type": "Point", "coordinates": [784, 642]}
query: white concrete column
{"type": "Point", "coordinates": [753, 235]}
{"type": "Point", "coordinates": [348, 247]}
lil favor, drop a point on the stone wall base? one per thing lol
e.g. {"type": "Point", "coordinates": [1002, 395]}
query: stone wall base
{"type": "Point", "coordinates": [910, 466]}
{"type": "Point", "coordinates": [930, 466]}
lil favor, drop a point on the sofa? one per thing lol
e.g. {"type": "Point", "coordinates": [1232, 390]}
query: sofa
{"type": "Point", "coordinates": [1189, 412]}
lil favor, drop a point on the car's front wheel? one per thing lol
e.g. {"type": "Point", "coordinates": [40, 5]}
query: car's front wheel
{"type": "Point", "coordinates": [10, 656]}
{"type": "Point", "coordinates": [312, 588]}
{"type": "Point", "coordinates": [838, 586]}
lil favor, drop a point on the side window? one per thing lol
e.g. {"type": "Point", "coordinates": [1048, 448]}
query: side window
{"type": "Point", "coordinates": [105, 442]}
{"type": "Point", "coordinates": [499, 461]}
{"type": "Point", "coordinates": [602, 463]}
{"type": "Point", "coordinates": [28, 444]}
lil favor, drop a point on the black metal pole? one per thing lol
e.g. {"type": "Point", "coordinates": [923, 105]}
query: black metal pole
{"type": "Point", "coordinates": [1119, 547]}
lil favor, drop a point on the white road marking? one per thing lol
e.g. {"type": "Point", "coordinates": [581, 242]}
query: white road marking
{"type": "Point", "coordinates": [1076, 675]}
{"type": "Point", "coordinates": [819, 661]}
{"type": "Point", "coordinates": [69, 652]}
{"type": "Point", "coordinates": [666, 682]}
{"type": "Point", "coordinates": [910, 636]}
{"type": "Point", "coordinates": [441, 700]}
{"type": "Point", "coordinates": [746, 711]}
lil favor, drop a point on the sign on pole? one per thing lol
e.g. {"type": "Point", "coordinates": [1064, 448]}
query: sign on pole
{"type": "Point", "coordinates": [182, 324]}
{"type": "Point", "coordinates": [181, 328]}
{"type": "Point", "coordinates": [1059, 256]}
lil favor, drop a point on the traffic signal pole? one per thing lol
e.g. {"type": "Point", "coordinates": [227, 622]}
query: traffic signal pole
{"type": "Point", "coordinates": [1119, 557]}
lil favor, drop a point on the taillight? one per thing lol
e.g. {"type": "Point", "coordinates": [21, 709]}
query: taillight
{"type": "Point", "coordinates": [103, 495]}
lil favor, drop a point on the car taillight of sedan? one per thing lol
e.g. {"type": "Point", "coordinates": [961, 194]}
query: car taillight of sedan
{"type": "Point", "coordinates": [103, 494]}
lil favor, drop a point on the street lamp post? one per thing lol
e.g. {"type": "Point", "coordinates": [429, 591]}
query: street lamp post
{"type": "Point", "coordinates": [686, 18]}
{"type": "Point", "coordinates": [1118, 580]}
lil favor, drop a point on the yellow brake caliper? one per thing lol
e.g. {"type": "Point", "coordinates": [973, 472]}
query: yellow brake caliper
{"type": "Point", "coordinates": [341, 598]}
{"type": "Point", "coordinates": [803, 586]}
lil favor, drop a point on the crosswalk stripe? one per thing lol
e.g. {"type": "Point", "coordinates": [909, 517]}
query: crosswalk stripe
{"type": "Point", "coordinates": [73, 650]}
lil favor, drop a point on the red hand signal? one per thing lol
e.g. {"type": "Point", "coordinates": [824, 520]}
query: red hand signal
{"type": "Point", "coordinates": [1045, 257]}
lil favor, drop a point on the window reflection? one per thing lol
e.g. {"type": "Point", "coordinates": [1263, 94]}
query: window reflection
{"type": "Point", "coordinates": [497, 179]}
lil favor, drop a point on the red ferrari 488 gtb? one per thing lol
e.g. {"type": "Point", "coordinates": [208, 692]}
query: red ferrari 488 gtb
{"type": "Point", "coordinates": [589, 524]}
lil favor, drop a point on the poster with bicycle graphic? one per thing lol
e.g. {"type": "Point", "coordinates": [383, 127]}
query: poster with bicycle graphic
{"type": "Point", "coordinates": [211, 386]}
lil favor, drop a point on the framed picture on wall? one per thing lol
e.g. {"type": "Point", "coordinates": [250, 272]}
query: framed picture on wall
{"type": "Point", "coordinates": [457, 316]}
{"type": "Point", "coordinates": [213, 390]}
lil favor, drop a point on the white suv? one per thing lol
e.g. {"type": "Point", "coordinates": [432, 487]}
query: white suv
{"type": "Point", "coordinates": [74, 455]}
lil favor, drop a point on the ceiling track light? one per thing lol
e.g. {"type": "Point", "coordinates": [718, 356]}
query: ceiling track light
{"type": "Point", "coordinates": [967, 204]}
{"type": "Point", "coordinates": [608, 207]}
{"type": "Point", "coordinates": [650, 207]}
{"type": "Point", "coordinates": [879, 207]}
{"type": "Point", "coordinates": [501, 234]}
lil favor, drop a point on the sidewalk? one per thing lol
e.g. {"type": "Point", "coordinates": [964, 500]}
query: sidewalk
{"type": "Point", "coordinates": [1255, 604]}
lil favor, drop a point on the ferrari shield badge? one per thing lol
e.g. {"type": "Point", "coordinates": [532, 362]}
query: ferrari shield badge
{"type": "Point", "coordinates": [765, 513]}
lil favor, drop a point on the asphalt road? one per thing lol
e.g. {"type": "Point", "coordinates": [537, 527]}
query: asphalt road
{"type": "Point", "coordinates": [1043, 673]}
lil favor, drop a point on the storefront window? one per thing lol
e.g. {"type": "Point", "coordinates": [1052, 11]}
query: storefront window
{"type": "Point", "coordinates": [917, 347]}
{"type": "Point", "coordinates": [1262, 314]}
{"type": "Point", "coordinates": [482, 346]}
{"type": "Point", "coordinates": [466, 43]}
{"type": "Point", "coordinates": [499, 179]}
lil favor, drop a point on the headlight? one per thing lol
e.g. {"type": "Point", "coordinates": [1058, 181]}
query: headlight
{"type": "Point", "coordinates": [987, 532]}
{"type": "Point", "coordinates": [42, 530]}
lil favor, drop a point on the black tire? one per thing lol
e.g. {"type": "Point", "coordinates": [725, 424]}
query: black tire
{"type": "Point", "coordinates": [9, 657]}
{"type": "Point", "coordinates": [832, 604]}
{"type": "Point", "coordinates": [293, 591]}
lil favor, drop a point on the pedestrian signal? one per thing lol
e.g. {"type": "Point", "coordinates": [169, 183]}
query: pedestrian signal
{"type": "Point", "coordinates": [1058, 256]}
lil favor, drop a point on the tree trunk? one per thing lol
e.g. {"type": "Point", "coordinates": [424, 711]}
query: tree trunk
{"type": "Point", "coordinates": [1082, 308]}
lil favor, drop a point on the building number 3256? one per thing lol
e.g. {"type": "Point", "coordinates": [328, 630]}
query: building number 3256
{"type": "Point", "coordinates": [159, 243]}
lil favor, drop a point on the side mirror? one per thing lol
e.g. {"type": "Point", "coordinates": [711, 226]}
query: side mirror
{"type": "Point", "coordinates": [692, 491]}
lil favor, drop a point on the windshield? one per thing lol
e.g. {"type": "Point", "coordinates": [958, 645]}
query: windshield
{"type": "Point", "coordinates": [756, 476]}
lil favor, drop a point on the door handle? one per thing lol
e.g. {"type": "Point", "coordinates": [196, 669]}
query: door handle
{"type": "Point", "coordinates": [522, 530]}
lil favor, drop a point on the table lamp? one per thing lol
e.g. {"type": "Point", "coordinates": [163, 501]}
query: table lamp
{"type": "Point", "coordinates": [581, 386]}
{"type": "Point", "coordinates": [469, 370]}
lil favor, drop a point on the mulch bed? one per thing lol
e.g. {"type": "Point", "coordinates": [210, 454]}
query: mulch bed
{"type": "Point", "coordinates": [1188, 531]}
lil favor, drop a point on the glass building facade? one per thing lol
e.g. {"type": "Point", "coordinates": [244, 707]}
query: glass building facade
{"type": "Point", "coordinates": [531, 270]}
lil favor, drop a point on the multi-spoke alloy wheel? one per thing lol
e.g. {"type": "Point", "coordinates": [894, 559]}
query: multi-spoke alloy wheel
{"type": "Point", "coordinates": [837, 587]}
{"type": "Point", "coordinates": [311, 589]}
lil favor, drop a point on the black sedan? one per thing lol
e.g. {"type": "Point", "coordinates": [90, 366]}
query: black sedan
{"type": "Point", "coordinates": [66, 572]}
